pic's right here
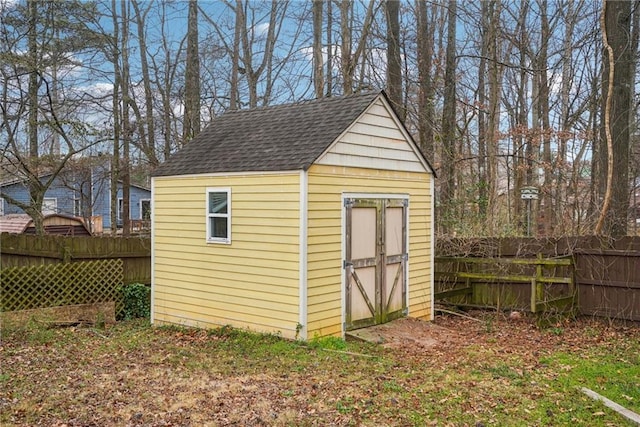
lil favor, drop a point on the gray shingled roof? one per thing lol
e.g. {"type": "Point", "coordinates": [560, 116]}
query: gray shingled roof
{"type": "Point", "coordinates": [284, 137]}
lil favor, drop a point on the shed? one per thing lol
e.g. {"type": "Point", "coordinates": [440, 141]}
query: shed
{"type": "Point", "coordinates": [303, 220]}
{"type": "Point", "coordinates": [53, 224]}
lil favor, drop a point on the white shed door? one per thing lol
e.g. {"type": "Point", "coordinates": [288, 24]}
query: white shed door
{"type": "Point", "coordinates": [375, 261]}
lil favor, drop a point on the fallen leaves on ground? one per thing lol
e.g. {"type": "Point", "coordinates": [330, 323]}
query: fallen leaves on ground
{"type": "Point", "coordinates": [454, 371]}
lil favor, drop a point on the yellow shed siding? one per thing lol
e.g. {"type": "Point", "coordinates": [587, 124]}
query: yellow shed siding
{"type": "Point", "coordinates": [251, 283]}
{"type": "Point", "coordinates": [326, 185]}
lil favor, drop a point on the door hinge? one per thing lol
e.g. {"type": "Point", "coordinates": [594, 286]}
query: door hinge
{"type": "Point", "coordinates": [346, 264]}
{"type": "Point", "coordinates": [405, 202]}
{"type": "Point", "coordinates": [348, 202]}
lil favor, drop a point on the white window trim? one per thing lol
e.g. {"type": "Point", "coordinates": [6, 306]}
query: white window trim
{"type": "Point", "coordinates": [54, 205]}
{"type": "Point", "coordinates": [208, 215]}
{"type": "Point", "coordinates": [1, 206]}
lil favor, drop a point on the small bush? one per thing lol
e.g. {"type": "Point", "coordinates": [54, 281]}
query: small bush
{"type": "Point", "coordinates": [137, 301]}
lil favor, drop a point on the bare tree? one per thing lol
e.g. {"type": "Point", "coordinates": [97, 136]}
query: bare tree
{"type": "Point", "coordinates": [191, 125]}
{"type": "Point", "coordinates": [394, 62]}
{"type": "Point", "coordinates": [318, 66]}
{"type": "Point", "coordinates": [148, 136]}
{"type": "Point", "coordinates": [349, 59]}
{"type": "Point", "coordinates": [38, 41]}
{"type": "Point", "coordinates": [617, 81]}
{"type": "Point", "coordinates": [426, 91]}
{"type": "Point", "coordinates": [127, 130]}
{"type": "Point", "coordinates": [449, 137]}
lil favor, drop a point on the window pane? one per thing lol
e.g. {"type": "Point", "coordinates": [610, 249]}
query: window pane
{"type": "Point", "coordinates": [145, 207]}
{"type": "Point", "coordinates": [218, 203]}
{"type": "Point", "coordinates": [218, 226]}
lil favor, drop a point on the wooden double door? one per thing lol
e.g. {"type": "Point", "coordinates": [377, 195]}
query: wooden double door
{"type": "Point", "coordinates": [375, 264]}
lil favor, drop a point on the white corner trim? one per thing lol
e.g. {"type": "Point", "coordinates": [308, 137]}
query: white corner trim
{"type": "Point", "coordinates": [407, 270]}
{"type": "Point", "coordinates": [153, 252]}
{"type": "Point", "coordinates": [303, 243]}
{"type": "Point", "coordinates": [343, 254]}
{"type": "Point", "coordinates": [432, 239]}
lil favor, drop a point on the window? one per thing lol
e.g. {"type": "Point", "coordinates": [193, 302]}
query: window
{"type": "Point", "coordinates": [49, 206]}
{"type": "Point", "coordinates": [120, 208]}
{"type": "Point", "coordinates": [77, 211]}
{"type": "Point", "coordinates": [145, 209]}
{"type": "Point", "coordinates": [219, 215]}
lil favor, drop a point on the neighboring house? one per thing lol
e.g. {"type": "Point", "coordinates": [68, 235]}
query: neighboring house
{"type": "Point", "coordinates": [303, 220]}
{"type": "Point", "coordinates": [53, 224]}
{"type": "Point", "coordinates": [85, 193]}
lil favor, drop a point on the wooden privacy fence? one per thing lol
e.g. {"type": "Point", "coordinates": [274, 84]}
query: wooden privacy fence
{"type": "Point", "coordinates": [62, 284]}
{"type": "Point", "coordinates": [537, 284]}
{"type": "Point", "coordinates": [609, 282]}
{"type": "Point", "coordinates": [602, 273]}
{"type": "Point", "coordinates": [24, 250]}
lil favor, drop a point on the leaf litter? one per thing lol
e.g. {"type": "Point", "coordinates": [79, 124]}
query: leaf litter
{"type": "Point", "coordinates": [454, 371]}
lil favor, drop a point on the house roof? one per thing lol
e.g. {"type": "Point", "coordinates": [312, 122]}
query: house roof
{"type": "Point", "coordinates": [53, 223]}
{"type": "Point", "coordinates": [283, 137]}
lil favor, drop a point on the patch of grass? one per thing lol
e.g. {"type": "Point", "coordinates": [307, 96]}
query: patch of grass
{"type": "Point", "coordinates": [612, 371]}
{"type": "Point", "coordinates": [181, 376]}
{"type": "Point", "coordinates": [331, 343]}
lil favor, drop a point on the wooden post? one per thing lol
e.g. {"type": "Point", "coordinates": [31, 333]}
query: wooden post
{"type": "Point", "coordinates": [533, 294]}
{"type": "Point", "coordinates": [539, 283]}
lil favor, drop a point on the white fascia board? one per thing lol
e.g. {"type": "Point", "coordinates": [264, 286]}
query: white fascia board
{"type": "Point", "coordinates": [228, 174]}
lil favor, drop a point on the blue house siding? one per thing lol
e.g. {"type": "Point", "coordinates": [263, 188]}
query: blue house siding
{"type": "Point", "coordinates": [63, 196]}
{"type": "Point", "coordinates": [96, 201]}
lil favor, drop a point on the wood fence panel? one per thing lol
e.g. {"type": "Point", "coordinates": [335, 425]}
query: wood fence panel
{"type": "Point", "coordinates": [609, 283]}
{"type": "Point", "coordinates": [607, 271]}
{"type": "Point", "coordinates": [19, 250]}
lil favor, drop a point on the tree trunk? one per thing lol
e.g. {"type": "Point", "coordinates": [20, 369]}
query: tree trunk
{"type": "Point", "coordinates": [493, 117]}
{"type": "Point", "coordinates": [126, 123]}
{"type": "Point", "coordinates": [330, 48]}
{"type": "Point", "coordinates": [318, 69]}
{"type": "Point", "coordinates": [617, 82]}
{"type": "Point", "coordinates": [394, 63]}
{"type": "Point", "coordinates": [565, 132]}
{"type": "Point", "coordinates": [483, 194]}
{"type": "Point", "coordinates": [345, 47]}
{"type": "Point", "coordinates": [192, 77]}
{"type": "Point", "coordinates": [234, 95]}
{"type": "Point", "coordinates": [546, 197]}
{"type": "Point", "coordinates": [447, 189]}
{"type": "Point", "coordinates": [115, 160]}
{"type": "Point", "coordinates": [424, 35]}
{"type": "Point", "coordinates": [149, 146]}
{"type": "Point", "coordinates": [522, 120]}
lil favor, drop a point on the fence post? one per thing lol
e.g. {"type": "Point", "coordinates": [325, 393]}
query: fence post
{"type": "Point", "coordinates": [533, 294]}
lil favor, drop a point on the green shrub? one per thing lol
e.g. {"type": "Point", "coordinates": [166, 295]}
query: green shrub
{"type": "Point", "coordinates": [137, 301]}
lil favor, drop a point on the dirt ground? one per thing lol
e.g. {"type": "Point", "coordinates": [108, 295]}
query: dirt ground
{"type": "Point", "coordinates": [514, 333]}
